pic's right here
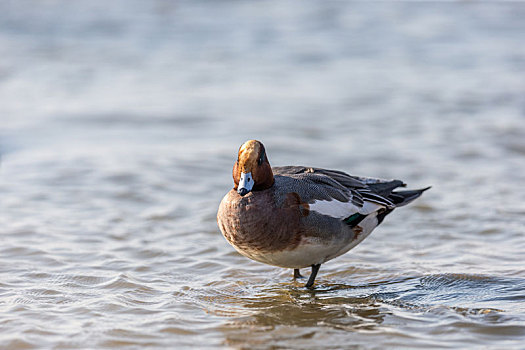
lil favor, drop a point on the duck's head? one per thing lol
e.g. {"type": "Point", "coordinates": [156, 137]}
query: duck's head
{"type": "Point", "coordinates": [252, 171]}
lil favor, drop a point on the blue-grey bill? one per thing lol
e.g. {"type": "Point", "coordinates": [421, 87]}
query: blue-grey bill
{"type": "Point", "coordinates": [245, 183]}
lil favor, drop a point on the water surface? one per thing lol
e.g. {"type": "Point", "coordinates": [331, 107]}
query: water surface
{"type": "Point", "coordinates": [119, 125]}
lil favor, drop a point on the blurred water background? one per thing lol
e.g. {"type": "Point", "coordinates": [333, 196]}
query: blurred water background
{"type": "Point", "coordinates": [119, 125]}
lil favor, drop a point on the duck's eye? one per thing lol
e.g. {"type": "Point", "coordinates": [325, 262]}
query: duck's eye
{"type": "Point", "coordinates": [261, 159]}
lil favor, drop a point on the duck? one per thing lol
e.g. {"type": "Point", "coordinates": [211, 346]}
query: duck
{"type": "Point", "coordinates": [302, 217]}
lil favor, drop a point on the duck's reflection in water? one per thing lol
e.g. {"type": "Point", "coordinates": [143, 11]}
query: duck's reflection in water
{"type": "Point", "coordinates": [291, 312]}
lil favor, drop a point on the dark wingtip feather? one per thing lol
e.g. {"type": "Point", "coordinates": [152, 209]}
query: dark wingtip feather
{"type": "Point", "coordinates": [386, 187]}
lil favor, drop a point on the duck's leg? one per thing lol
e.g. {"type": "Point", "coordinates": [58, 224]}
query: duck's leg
{"type": "Point", "coordinates": [315, 269]}
{"type": "Point", "coordinates": [297, 274]}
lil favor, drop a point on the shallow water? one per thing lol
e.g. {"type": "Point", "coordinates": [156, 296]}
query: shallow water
{"type": "Point", "coordinates": [120, 122]}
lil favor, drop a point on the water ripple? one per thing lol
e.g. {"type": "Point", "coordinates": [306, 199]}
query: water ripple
{"type": "Point", "coordinates": [120, 122]}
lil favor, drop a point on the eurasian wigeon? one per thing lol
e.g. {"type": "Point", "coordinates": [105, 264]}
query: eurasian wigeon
{"type": "Point", "coordinates": [296, 216]}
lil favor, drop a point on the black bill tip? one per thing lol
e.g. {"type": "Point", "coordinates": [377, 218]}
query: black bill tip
{"type": "Point", "coordinates": [242, 191]}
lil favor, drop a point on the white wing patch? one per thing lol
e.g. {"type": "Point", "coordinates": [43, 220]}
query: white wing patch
{"type": "Point", "coordinates": [341, 210]}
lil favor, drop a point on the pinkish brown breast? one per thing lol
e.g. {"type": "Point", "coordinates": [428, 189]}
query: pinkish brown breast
{"type": "Point", "coordinates": [254, 223]}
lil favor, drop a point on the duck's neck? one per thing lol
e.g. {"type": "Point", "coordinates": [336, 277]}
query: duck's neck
{"type": "Point", "coordinates": [267, 182]}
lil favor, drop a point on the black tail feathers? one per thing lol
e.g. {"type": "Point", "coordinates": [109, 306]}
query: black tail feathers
{"type": "Point", "coordinates": [401, 198]}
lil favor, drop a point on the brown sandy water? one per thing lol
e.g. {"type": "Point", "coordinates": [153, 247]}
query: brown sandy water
{"type": "Point", "coordinates": [119, 125]}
